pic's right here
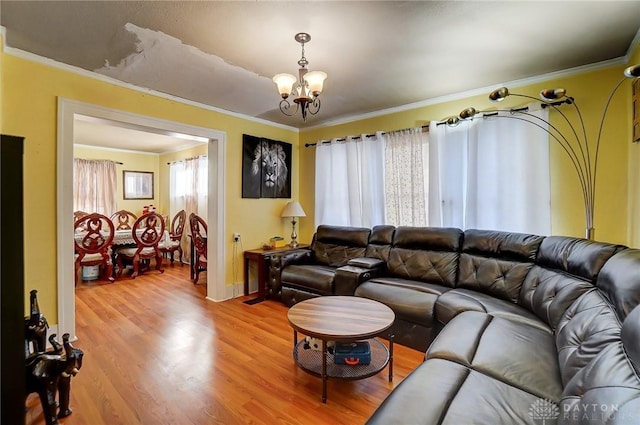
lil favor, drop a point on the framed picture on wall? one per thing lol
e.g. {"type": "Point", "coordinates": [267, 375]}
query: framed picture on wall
{"type": "Point", "coordinates": [266, 168]}
{"type": "Point", "coordinates": [137, 184]}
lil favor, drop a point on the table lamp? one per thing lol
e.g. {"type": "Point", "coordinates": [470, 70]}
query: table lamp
{"type": "Point", "coordinates": [293, 209]}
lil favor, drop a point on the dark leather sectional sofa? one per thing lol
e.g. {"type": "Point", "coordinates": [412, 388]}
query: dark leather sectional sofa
{"type": "Point", "coordinates": [518, 329]}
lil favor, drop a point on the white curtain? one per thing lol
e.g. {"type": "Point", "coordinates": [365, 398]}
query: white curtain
{"type": "Point", "coordinates": [406, 176]}
{"type": "Point", "coordinates": [350, 182]}
{"type": "Point", "coordinates": [94, 186]}
{"type": "Point", "coordinates": [188, 191]}
{"type": "Point", "coordinates": [491, 173]}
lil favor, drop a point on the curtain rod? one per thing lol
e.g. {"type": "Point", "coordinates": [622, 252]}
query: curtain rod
{"type": "Point", "coordinates": [425, 128]}
{"type": "Point", "coordinates": [115, 162]}
{"type": "Point", "coordinates": [182, 160]}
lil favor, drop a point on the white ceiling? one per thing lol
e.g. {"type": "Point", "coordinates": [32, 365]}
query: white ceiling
{"type": "Point", "coordinates": [102, 133]}
{"type": "Point", "coordinates": [378, 55]}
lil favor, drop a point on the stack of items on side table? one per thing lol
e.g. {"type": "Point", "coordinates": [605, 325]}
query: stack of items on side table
{"type": "Point", "coordinates": [352, 353]}
{"type": "Point", "coordinates": [49, 372]}
{"type": "Point", "coordinates": [344, 353]}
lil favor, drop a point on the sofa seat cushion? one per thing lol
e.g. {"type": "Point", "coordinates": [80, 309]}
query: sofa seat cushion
{"type": "Point", "coordinates": [447, 393]}
{"type": "Point", "coordinates": [410, 300]}
{"type": "Point", "coordinates": [459, 300]}
{"type": "Point", "coordinates": [515, 353]}
{"type": "Point", "coordinates": [315, 278]}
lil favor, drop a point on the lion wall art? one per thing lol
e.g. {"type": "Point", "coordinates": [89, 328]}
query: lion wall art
{"type": "Point", "coordinates": [266, 168]}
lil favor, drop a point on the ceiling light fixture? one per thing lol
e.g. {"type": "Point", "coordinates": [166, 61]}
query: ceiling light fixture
{"type": "Point", "coordinates": [582, 151]}
{"type": "Point", "coordinates": [305, 90]}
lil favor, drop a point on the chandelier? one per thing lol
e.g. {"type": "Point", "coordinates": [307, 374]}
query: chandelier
{"type": "Point", "coordinates": [582, 150]}
{"type": "Point", "coordinates": [305, 90]}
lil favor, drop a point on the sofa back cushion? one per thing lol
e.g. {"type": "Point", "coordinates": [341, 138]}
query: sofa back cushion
{"type": "Point", "coordinates": [426, 254]}
{"type": "Point", "coordinates": [565, 269]}
{"type": "Point", "coordinates": [549, 293]}
{"type": "Point", "coordinates": [586, 328]}
{"type": "Point", "coordinates": [578, 257]}
{"type": "Point", "coordinates": [380, 242]}
{"type": "Point", "coordinates": [630, 337]}
{"type": "Point", "coordinates": [334, 246]}
{"type": "Point", "coordinates": [620, 280]}
{"type": "Point", "coordinates": [607, 389]}
{"type": "Point", "coordinates": [496, 263]}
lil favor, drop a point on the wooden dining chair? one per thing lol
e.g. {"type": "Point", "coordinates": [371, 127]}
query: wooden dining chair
{"type": "Point", "coordinates": [175, 237]}
{"type": "Point", "coordinates": [199, 240]}
{"type": "Point", "coordinates": [92, 239]}
{"type": "Point", "coordinates": [147, 232]}
{"type": "Point", "coordinates": [78, 215]}
{"type": "Point", "coordinates": [123, 219]}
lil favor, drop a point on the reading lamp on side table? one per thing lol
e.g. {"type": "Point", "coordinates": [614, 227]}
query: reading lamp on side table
{"type": "Point", "coordinates": [293, 209]}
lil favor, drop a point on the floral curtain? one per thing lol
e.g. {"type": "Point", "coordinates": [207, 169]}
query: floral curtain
{"type": "Point", "coordinates": [406, 174]}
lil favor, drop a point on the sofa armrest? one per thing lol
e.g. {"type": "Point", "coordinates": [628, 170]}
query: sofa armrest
{"type": "Point", "coordinates": [349, 277]}
{"type": "Point", "coordinates": [366, 262]}
{"type": "Point", "coordinates": [299, 256]}
{"type": "Point", "coordinates": [279, 262]}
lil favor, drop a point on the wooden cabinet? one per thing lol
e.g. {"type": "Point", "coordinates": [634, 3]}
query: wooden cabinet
{"type": "Point", "coordinates": [12, 351]}
{"type": "Point", "coordinates": [262, 257]}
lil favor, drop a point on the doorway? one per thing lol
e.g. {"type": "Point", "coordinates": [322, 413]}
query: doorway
{"type": "Point", "coordinates": [68, 111]}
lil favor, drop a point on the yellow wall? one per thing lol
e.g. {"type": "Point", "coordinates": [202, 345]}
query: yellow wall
{"type": "Point", "coordinates": [634, 176]}
{"type": "Point", "coordinates": [30, 92]}
{"type": "Point", "coordinates": [590, 91]}
{"type": "Point", "coordinates": [131, 161]}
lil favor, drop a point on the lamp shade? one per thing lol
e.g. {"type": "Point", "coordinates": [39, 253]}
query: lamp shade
{"type": "Point", "coordinates": [632, 71]}
{"type": "Point", "coordinates": [293, 209]}
{"type": "Point", "coordinates": [553, 94]}
{"type": "Point", "coordinates": [499, 95]}
{"type": "Point", "coordinates": [468, 113]}
{"type": "Point", "coordinates": [315, 80]}
{"type": "Point", "coordinates": [285, 83]}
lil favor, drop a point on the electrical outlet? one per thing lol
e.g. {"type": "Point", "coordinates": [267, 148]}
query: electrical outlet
{"type": "Point", "coordinates": [236, 237]}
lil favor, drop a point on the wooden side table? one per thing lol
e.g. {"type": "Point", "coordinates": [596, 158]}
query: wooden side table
{"type": "Point", "coordinates": [262, 257]}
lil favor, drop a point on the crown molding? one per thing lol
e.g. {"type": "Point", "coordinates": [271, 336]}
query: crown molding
{"type": "Point", "coordinates": [635, 43]}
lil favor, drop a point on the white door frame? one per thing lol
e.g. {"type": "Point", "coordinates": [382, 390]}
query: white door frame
{"type": "Point", "coordinates": [67, 110]}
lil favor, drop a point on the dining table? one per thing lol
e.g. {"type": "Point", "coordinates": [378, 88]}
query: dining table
{"type": "Point", "coordinates": [121, 238]}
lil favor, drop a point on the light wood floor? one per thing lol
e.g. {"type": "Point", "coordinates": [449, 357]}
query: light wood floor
{"type": "Point", "coordinates": [156, 352]}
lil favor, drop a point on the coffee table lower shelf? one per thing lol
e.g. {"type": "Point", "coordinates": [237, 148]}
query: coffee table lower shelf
{"type": "Point", "coordinates": [311, 361]}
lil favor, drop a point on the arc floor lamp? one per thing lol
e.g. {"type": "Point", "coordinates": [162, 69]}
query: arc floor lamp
{"type": "Point", "coordinates": [582, 150]}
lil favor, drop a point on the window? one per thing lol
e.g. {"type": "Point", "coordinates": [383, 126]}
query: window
{"type": "Point", "coordinates": [94, 186]}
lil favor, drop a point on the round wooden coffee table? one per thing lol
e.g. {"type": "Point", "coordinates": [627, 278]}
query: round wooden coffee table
{"type": "Point", "coordinates": [341, 319]}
